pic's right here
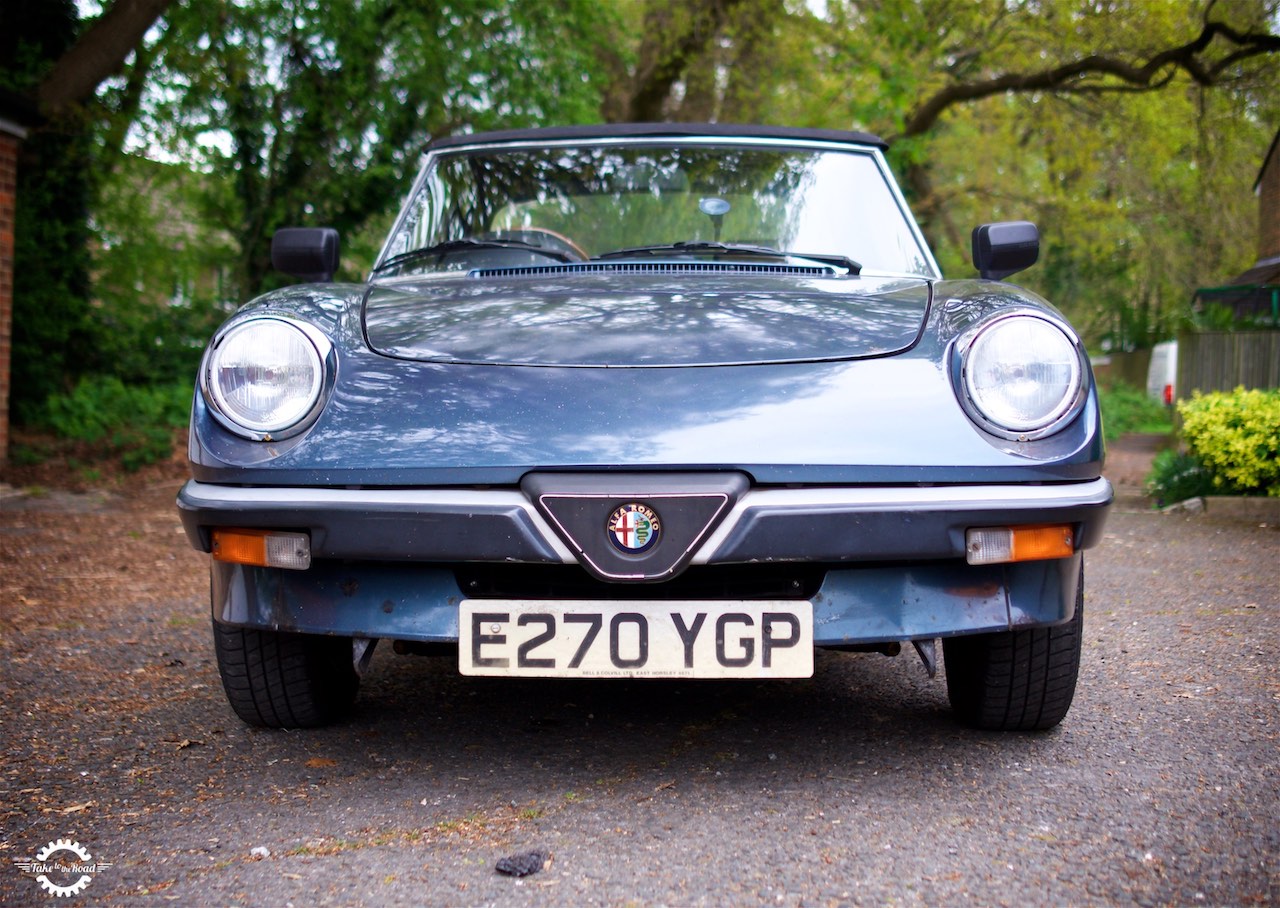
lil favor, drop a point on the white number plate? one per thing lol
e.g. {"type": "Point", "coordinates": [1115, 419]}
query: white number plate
{"type": "Point", "coordinates": [589, 639]}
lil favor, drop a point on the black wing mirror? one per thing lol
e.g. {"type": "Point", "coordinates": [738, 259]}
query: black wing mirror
{"type": "Point", "coordinates": [1006, 248]}
{"type": "Point", "coordinates": [307, 253]}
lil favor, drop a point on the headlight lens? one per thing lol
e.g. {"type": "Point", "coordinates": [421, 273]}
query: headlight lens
{"type": "Point", "coordinates": [265, 375]}
{"type": "Point", "coordinates": [1023, 375]}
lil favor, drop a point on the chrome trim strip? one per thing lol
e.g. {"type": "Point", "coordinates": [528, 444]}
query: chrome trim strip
{"type": "Point", "coordinates": [897, 498]}
{"type": "Point", "coordinates": [679, 560]}
{"type": "Point", "coordinates": [886, 173]}
{"type": "Point", "coordinates": [208, 494]}
{"type": "Point", "coordinates": [935, 499]}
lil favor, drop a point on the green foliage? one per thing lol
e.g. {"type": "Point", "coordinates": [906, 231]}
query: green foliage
{"type": "Point", "coordinates": [159, 273]}
{"type": "Point", "coordinates": [134, 423]}
{"type": "Point", "coordinates": [26, 456]}
{"type": "Point", "coordinates": [1218, 316]}
{"type": "Point", "coordinates": [1176, 476]}
{"type": "Point", "coordinates": [1141, 196]}
{"type": "Point", "coordinates": [1237, 438]}
{"type": "Point", "coordinates": [282, 112]}
{"type": "Point", "coordinates": [317, 115]}
{"type": "Point", "coordinates": [50, 230]}
{"type": "Point", "coordinates": [51, 269]}
{"type": "Point", "coordinates": [1126, 409]}
{"type": "Point", "coordinates": [32, 36]}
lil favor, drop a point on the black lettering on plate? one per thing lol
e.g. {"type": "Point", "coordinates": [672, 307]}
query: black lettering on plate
{"type": "Point", "coordinates": [478, 639]}
{"type": "Point", "coordinates": [688, 634]}
{"type": "Point", "coordinates": [642, 625]}
{"type": "Point", "coordinates": [595, 622]}
{"type": "Point", "coordinates": [768, 642]}
{"type": "Point", "coordinates": [748, 643]}
{"type": "Point", "coordinates": [548, 622]}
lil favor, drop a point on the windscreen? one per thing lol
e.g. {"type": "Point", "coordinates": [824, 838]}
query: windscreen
{"type": "Point", "coordinates": [568, 203]}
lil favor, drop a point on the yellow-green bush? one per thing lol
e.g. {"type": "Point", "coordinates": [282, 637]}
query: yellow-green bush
{"type": "Point", "coordinates": [1237, 438]}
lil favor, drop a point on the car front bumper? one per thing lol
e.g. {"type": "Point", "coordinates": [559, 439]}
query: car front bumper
{"type": "Point", "coordinates": [853, 607]}
{"type": "Point", "coordinates": [892, 558]}
{"type": "Point", "coordinates": [834, 524]}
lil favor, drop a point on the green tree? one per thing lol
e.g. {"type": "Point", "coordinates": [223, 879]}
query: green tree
{"type": "Point", "coordinates": [1130, 131]}
{"type": "Point", "coordinates": [48, 60]}
{"type": "Point", "coordinates": [51, 262]}
{"type": "Point", "coordinates": [159, 270]}
{"type": "Point", "coordinates": [279, 114]}
{"type": "Point", "coordinates": [318, 115]}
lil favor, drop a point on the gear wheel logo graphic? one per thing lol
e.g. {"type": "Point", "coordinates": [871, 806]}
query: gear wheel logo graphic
{"type": "Point", "coordinates": [45, 854]}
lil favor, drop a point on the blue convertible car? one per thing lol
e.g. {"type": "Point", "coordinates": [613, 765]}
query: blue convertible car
{"type": "Point", "coordinates": [648, 401]}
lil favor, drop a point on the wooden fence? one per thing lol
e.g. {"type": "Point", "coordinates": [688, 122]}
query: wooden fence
{"type": "Point", "coordinates": [1226, 360]}
{"type": "Point", "coordinates": [1127, 368]}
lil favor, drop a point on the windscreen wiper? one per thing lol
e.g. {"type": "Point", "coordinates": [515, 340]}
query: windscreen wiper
{"type": "Point", "coordinates": [466, 243]}
{"type": "Point", "coordinates": [704, 247]}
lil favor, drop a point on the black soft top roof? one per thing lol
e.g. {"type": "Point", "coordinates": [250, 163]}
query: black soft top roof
{"type": "Point", "coordinates": [658, 130]}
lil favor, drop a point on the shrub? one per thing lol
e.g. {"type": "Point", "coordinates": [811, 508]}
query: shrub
{"type": "Point", "coordinates": [1127, 409]}
{"type": "Point", "coordinates": [1176, 477]}
{"type": "Point", "coordinates": [134, 423]}
{"type": "Point", "coordinates": [1236, 437]}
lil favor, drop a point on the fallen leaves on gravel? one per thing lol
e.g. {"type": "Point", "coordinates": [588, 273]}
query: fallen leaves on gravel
{"type": "Point", "coordinates": [75, 808]}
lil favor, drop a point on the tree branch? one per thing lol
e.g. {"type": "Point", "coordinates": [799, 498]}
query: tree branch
{"type": "Point", "coordinates": [1081, 75]}
{"type": "Point", "coordinates": [126, 109]}
{"type": "Point", "coordinates": [98, 53]}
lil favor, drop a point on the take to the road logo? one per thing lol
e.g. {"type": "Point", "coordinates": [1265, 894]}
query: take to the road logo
{"type": "Point", "coordinates": [634, 529]}
{"type": "Point", "coordinates": [63, 868]}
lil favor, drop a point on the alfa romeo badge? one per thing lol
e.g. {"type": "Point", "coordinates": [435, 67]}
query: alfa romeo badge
{"type": "Point", "coordinates": [634, 529]}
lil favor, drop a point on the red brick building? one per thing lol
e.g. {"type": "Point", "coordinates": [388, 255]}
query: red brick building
{"type": "Point", "coordinates": [1267, 269]}
{"type": "Point", "coordinates": [11, 137]}
{"type": "Point", "coordinates": [1254, 296]}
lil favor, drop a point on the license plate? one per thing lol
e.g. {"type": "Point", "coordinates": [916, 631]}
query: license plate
{"type": "Point", "coordinates": [591, 639]}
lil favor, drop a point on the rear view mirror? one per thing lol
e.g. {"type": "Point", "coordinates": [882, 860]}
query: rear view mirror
{"type": "Point", "coordinates": [1006, 248]}
{"type": "Point", "coordinates": [307, 253]}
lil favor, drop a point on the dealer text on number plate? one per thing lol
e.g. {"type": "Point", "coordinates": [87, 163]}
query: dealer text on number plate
{"type": "Point", "coordinates": [589, 639]}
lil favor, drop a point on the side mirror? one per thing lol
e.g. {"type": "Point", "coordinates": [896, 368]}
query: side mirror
{"type": "Point", "coordinates": [307, 253]}
{"type": "Point", "coordinates": [1000, 250]}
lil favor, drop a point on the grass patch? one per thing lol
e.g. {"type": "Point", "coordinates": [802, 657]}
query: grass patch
{"type": "Point", "coordinates": [27, 456]}
{"type": "Point", "coordinates": [1127, 410]}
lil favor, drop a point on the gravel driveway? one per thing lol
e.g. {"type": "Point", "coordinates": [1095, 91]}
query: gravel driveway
{"type": "Point", "coordinates": [852, 787]}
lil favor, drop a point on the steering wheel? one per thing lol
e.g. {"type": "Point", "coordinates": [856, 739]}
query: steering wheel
{"type": "Point", "coordinates": [541, 236]}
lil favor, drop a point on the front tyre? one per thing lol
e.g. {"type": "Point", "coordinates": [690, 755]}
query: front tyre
{"type": "Point", "coordinates": [281, 680]}
{"type": "Point", "coordinates": [1022, 680]}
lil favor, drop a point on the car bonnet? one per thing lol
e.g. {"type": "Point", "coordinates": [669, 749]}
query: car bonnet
{"type": "Point", "coordinates": [644, 320]}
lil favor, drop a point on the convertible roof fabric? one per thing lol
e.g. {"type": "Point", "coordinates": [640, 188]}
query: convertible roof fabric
{"type": "Point", "coordinates": [658, 130]}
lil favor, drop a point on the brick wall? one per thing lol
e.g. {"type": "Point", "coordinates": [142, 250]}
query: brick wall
{"type": "Point", "coordinates": [8, 190]}
{"type": "Point", "coordinates": [1269, 206]}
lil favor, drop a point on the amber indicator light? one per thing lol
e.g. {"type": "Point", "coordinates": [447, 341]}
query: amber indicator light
{"type": "Point", "coordinates": [262, 548]}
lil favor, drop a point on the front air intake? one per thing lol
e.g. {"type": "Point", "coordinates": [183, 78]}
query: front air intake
{"type": "Point", "coordinates": [652, 268]}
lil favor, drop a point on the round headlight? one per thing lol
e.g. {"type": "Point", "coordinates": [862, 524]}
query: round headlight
{"type": "Point", "coordinates": [1023, 375]}
{"type": "Point", "coordinates": [265, 375]}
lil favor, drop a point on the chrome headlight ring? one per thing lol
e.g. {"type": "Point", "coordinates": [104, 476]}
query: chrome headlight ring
{"type": "Point", "coordinates": [266, 376]}
{"type": "Point", "coordinates": [1021, 374]}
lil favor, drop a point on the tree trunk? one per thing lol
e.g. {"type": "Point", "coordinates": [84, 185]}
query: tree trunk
{"type": "Point", "coordinates": [99, 53]}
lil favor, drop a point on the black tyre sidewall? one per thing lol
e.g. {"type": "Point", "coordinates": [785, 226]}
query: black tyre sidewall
{"type": "Point", "coordinates": [1022, 680]}
{"type": "Point", "coordinates": [276, 679]}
